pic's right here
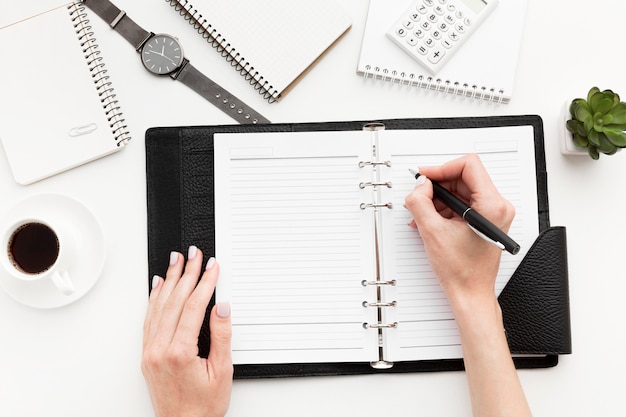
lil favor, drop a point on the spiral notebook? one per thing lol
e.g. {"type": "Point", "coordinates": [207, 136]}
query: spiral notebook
{"type": "Point", "coordinates": [66, 113]}
{"type": "Point", "coordinates": [483, 68]}
{"type": "Point", "coordinates": [270, 43]}
{"type": "Point", "coordinates": [323, 274]}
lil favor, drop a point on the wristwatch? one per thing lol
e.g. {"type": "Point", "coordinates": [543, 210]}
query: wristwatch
{"type": "Point", "coordinates": [162, 54]}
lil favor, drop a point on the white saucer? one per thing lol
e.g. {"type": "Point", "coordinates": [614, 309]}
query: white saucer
{"type": "Point", "coordinates": [90, 255]}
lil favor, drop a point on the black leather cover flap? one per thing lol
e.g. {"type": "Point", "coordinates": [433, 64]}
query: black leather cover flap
{"type": "Point", "coordinates": [179, 172]}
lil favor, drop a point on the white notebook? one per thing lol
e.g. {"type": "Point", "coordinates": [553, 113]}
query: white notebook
{"type": "Point", "coordinates": [483, 68]}
{"type": "Point", "coordinates": [303, 253]}
{"type": "Point", "coordinates": [271, 43]}
{"type": "Point", "coordinates": [62, 111]}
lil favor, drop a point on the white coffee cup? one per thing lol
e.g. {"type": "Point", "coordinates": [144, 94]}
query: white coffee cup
{"type": "Point", "coordinates": [37, 249]}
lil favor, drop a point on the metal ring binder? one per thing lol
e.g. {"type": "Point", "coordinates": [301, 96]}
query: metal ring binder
{"type": "Point", "coordinates": [363, 206]}
{"type": "Point", "coordinates": [366, 283]}
{"type": "Point", "coordinates": [363, 164]}
{"type": "Point", "coordinates": [98, 73]}
{"type": "Point", "coordinates": [378, 194]}
{"type": "Point", "coordinates": [387, 184]}
{"type": "Point", "coordinates": [380, 325]}
{"type": "Point", "coordinates": [378, 304]}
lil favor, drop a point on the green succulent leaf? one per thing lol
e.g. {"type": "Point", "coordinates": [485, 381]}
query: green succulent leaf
{"type": "Point", "coordinates": [593, 152]}
{"type": "Point", "coordinates": [576, 103]}
{"type": "Point", "coordinates": [605, 145]}
{"type": "Point", "coordinates": [580, 141]}
{"type": "Point", "coordinates": [616, 137]}
{"type": "Point", "coordinates": [594, 138]}
{"type": "Point", "coordinates": [601, 119]}
{"type": "Point", "coordinates": [614, 126]}
{"type": "Point", "coordinates": [581, 112]}
{"type": "Point", "coordinates": [594, 101]}
{"type": "Point", "coordinates": [613, 95]}
{"type": "Point", "coordinates": [618, 113]}
{"type": "Point", "coordinates": [604, 105]}
{"type": "Point", "coordinates": [591, 92]}
{"type": "Point", "coordinates": [573, 125]}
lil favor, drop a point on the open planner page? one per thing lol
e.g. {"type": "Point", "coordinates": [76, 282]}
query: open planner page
{"type": "Point", "coordinates": [295, 242]}
{"type": "Point", "coordinates": [426, 327]}
{"type": "Point", "coordinates": [294, 245]}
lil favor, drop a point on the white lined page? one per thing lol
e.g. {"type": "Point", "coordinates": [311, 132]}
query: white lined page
{"type": "Point", "coordinates": [294, 246]}
{"type": "Point", "coordinates": [426, 324]}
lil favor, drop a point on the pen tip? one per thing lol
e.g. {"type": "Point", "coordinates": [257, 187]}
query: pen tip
{"type": "Point", "coordinates": [414, 172]}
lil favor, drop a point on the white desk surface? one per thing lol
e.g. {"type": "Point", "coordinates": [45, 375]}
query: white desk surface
{"type": "Point", "coordinates": [83, 359]}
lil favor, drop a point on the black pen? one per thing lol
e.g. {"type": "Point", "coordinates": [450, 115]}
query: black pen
{"type": "Point", "coordinates": [483, 227]}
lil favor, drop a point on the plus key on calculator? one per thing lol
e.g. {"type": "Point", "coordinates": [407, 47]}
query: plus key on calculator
{"type": "Point", "coordinates": [431, 31]}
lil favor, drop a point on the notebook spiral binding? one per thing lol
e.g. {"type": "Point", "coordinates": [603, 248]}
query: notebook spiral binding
{"type": "Point", "coordinates": [438, 85]}
{"type": "Point", "coordinates": [98, 73]}
{"type": "Point", "coordinates": [224, 48]}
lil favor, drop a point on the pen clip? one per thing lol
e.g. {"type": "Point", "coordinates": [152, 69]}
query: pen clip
{"type": "Point", "coordinates": [484, 237]}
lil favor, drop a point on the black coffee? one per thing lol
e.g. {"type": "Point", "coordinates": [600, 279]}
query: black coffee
{"type": "Point", "coordinates": [33, 248]}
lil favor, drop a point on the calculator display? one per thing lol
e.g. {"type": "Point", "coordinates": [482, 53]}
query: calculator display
{"type": "Point", "coordinates": [475, 5]}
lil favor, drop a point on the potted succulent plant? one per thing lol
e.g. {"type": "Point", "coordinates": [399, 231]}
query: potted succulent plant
{"type": "Point", "coordinates": [595, 125]}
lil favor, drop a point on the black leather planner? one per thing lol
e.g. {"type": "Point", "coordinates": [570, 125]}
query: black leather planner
{"type": "Point", "coordinates": [181, 212]}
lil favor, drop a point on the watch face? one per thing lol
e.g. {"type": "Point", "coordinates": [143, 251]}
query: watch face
{"type": "Point", "coordinates": [162, 54]}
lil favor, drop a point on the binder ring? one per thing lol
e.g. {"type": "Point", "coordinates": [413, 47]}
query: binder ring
{"type": "Point", "coordinates": [387, 184]}
{"type": "Point", "coordinates": [363, 206]}
{"type": "Point", "coordinates": [380, 325]}
{"type": "Point", "coordinates": [363, 164]}
{"type": "Point", "coordinates": [366, 283]}
{"type": "Point", "coordinates": [378, 304]}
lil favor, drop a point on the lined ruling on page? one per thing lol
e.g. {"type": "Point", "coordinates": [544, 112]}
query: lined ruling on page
{"type": "Point", "coordinates": [294, 246]}
{"type": "Point", "coordinates": [426, 327]}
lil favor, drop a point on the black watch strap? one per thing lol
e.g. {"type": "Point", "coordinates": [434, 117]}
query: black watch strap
{"type": "Point", "coordinates": [187, 74]}
{"type": "Point", "coordinates": [119, 21]}
{"type": "Point", "coordinates": [222, 99]}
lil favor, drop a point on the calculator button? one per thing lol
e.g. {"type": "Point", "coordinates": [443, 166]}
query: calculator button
{"type": "Point", "coordinates": [419, 33]}
{"type": "Point", "coordinates": [422, 50]}
{"type": "Point", "coordinates": [415, 17]}
{"type": "Point", "coordinates": [446, 44]}
{"type": "Point", "coordinates": [422, 9]}
{"type": "Point", "coordinates": [439, 10]}
{"type": "Point", "coordinates": [433, 18]}
{"type": "Point", "coordinates": [450, 20]}
{"type": "Point", "coordinates": [401, 32]}
{"type": "Point", "coordinates": [451, 7]}
{"type": "Point", "coordinates": [430, 42]}
{"type": "Point", "coordinates": [436, 34]}
{"type": "Point", "coordinates": [435, 55]}
{"type": "Point", "coordinates": [443, 1]}
{"type": "Point", "coordinates": [460, 28]}
{"type": "Point", "coordinates": [408, 24]}
{"type": "Point", "coordinates": [459, 14]}
{"type": "Point", "coordinates": [443, 26]}
{"type": "Point", "coordinates": [411, 40]}
{"type": "Point", "coordinates": [426, 26]}
{"type": "Point", "coordinates": [429, 2]}
{"type": "Point", "coordinates": [454, 36]}
{"type": "Point", "coordinates": [468, 21]}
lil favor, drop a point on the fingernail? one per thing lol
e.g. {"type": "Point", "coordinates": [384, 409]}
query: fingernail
{"type": "Point", "coordinates": [155, 281]}
{"type": "Point", "coordinates": [173, 258]}
{"type": "Point", "coordinates": [191, 253]}
{"type": "Point", "coordinates": [223, 310]}
{"type": "Point", "coordinates": [210, 263]}
{"type": "Point", "coordinates": [420, 180]}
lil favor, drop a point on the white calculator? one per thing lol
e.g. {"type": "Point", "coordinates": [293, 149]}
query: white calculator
{"type": "Point", "coordinates": [431, 31]}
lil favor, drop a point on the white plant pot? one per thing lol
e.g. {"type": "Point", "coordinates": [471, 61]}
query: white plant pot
{"type": "Point", "coordinates": [567, 141]}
